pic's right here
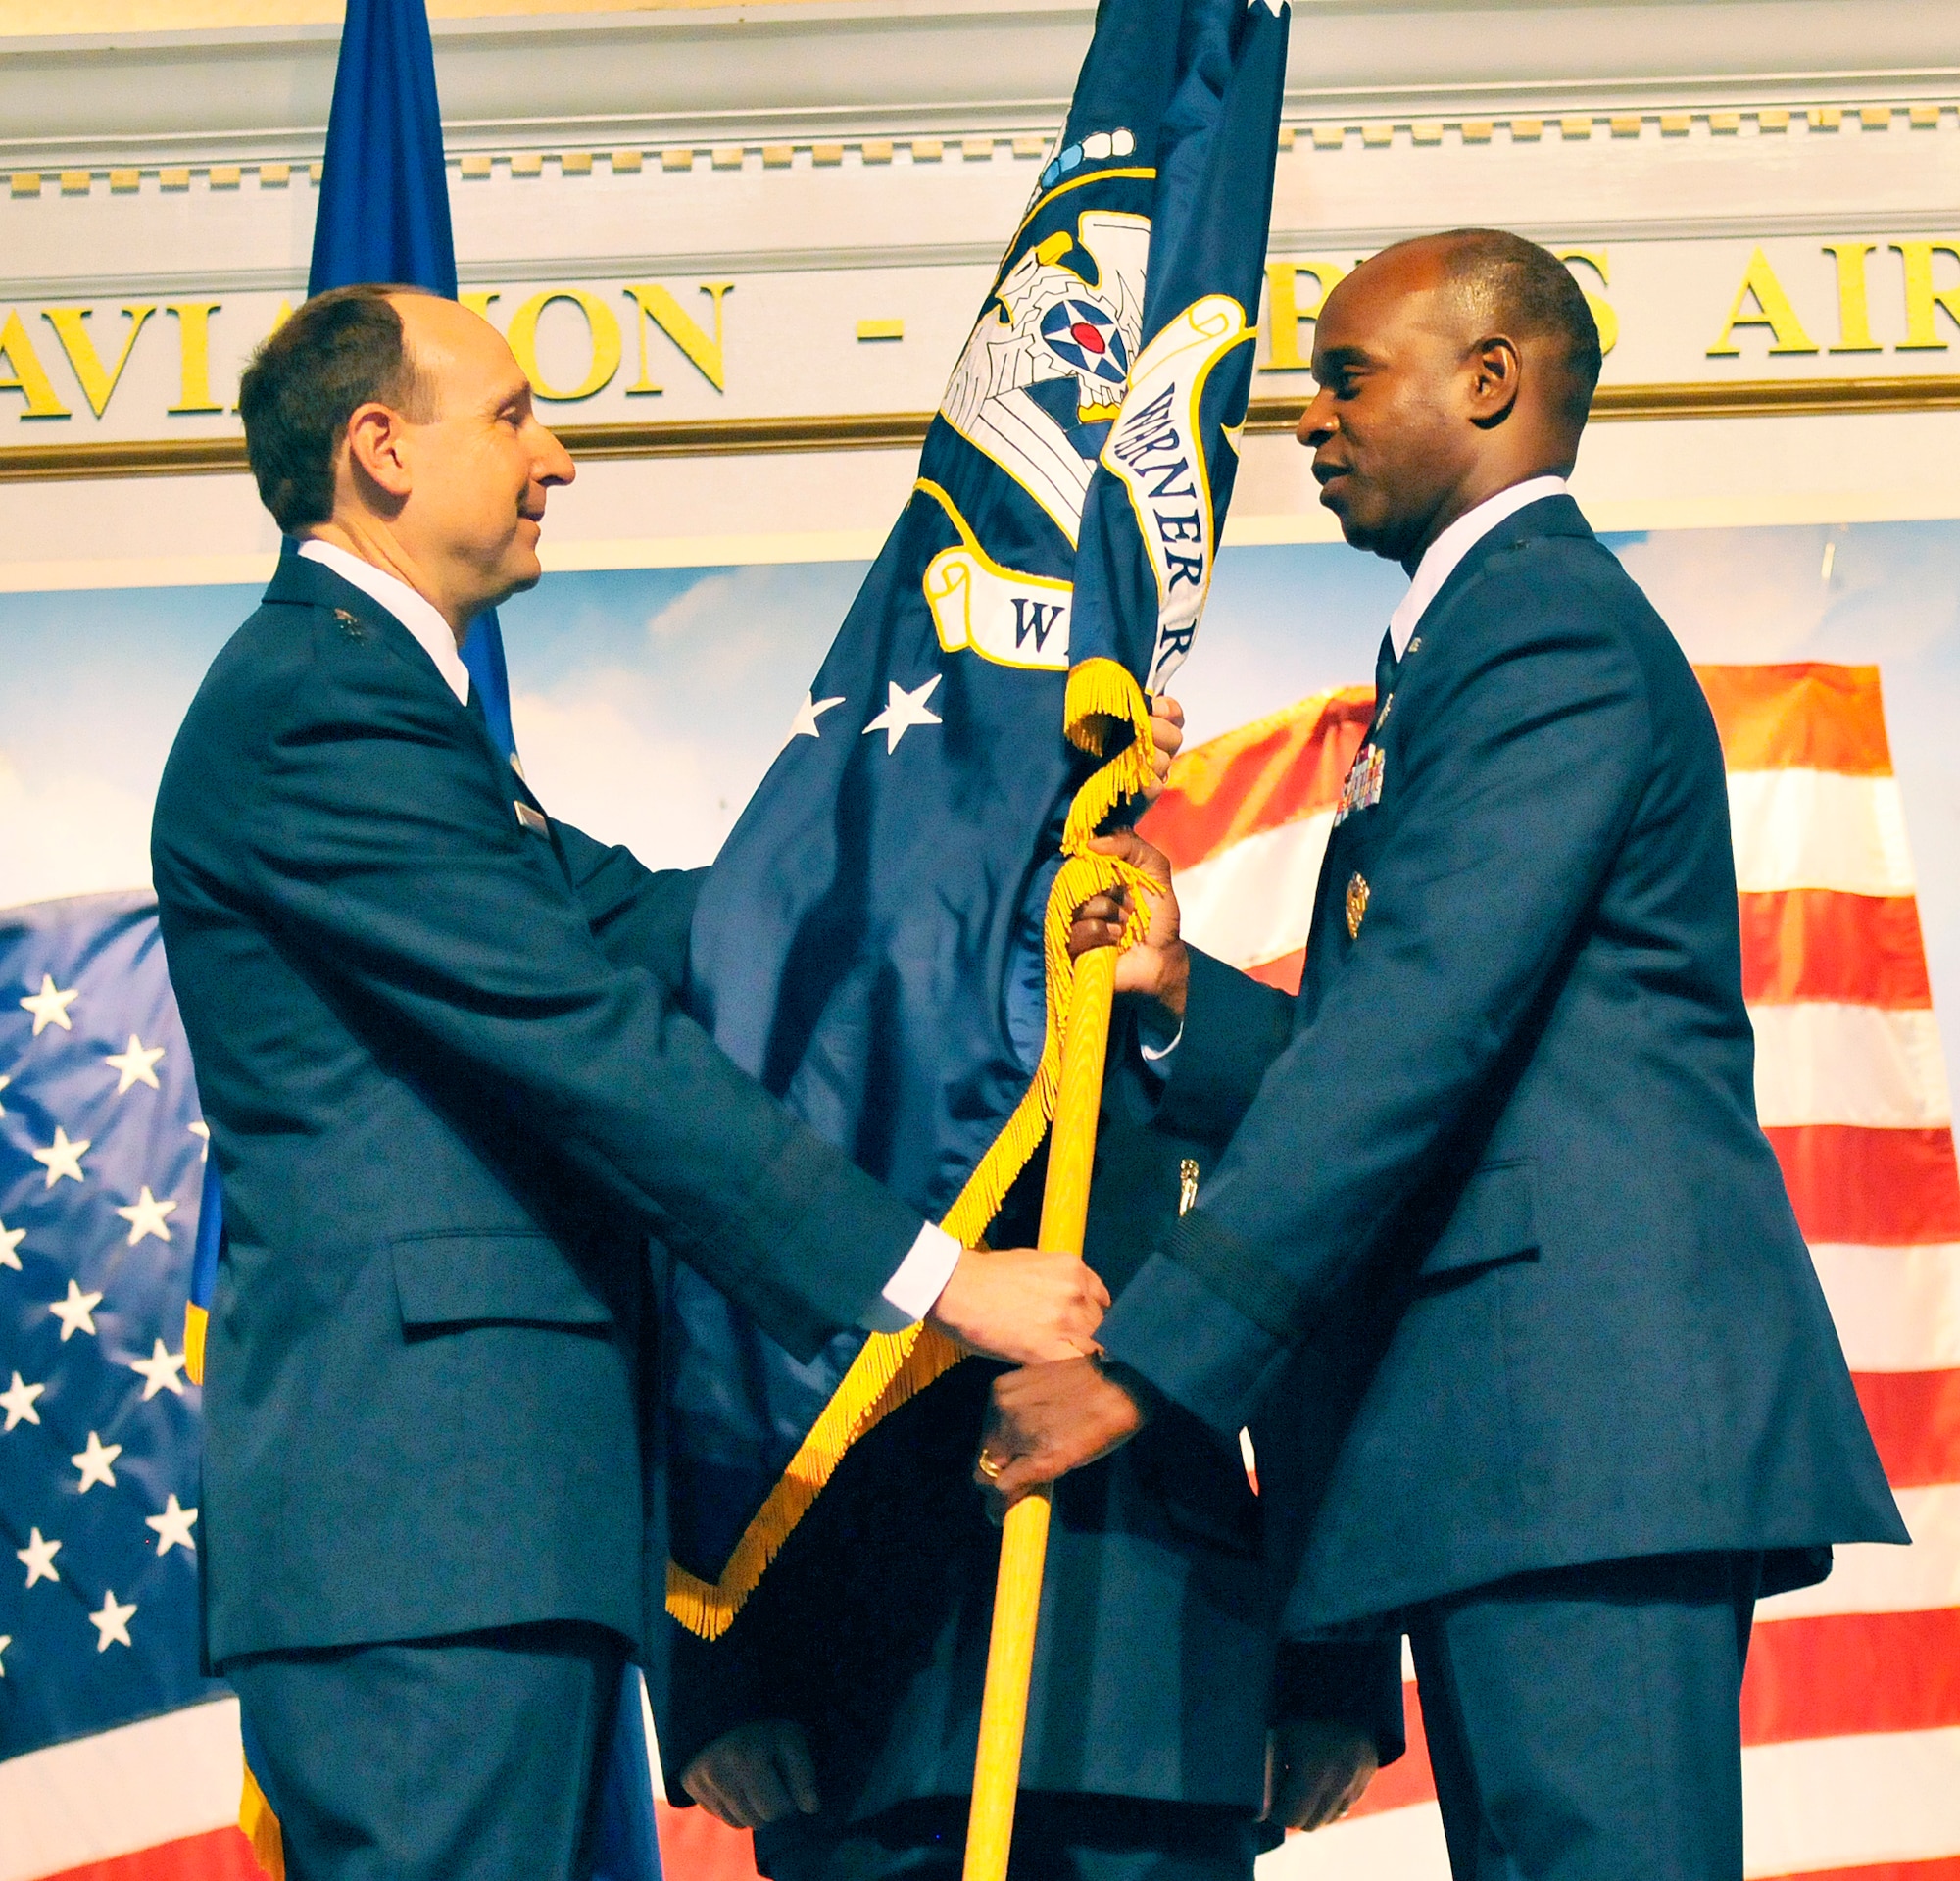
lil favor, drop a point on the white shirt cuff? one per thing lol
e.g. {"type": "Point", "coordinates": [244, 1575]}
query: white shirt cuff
{"type": "Point", "coordinates": [1151, 1042]}
{"type": "Point", "coordinates": [914, 1289]}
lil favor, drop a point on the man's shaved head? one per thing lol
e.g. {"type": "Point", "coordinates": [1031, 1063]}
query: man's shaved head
{"type": "Point", "coordinates": [1514, 286]}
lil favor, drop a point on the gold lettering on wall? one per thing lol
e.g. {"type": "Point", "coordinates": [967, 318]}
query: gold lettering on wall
{"type": "Point", "coordinates": [1603, 316]}
{"type": "Point", "coordinates": [193, 318]}
{"type": "Point", "coordinates": [25, 373]}
{"type": "Point", "coordinates": [1287, 313]}
{"type": "Point", "coordinates": [1854, 304]}
{"type": "Point", "coordinates": [478, 299]}
{"type": "Point", "coordinates": [602, 328]}
{"type": "Point", "coordinates": [1922, 299]}
{"type": "Point", "coordinates": [1773, 310]}
{"type": "Point", "coordinates": [97, 383]}
{"type": "Point", "coordinates": [656, 304]}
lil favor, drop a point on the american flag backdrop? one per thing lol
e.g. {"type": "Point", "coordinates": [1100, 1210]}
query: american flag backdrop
{"type": "Point", "coordinates": [1851, 1707]}
{"type": "Point", "coordinates": [119, 1761]}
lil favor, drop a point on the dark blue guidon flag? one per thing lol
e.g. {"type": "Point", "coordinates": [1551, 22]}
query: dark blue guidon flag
{"type": "Point", "coordinates": [882, 940]}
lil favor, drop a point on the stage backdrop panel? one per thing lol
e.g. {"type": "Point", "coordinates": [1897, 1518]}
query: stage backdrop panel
{"type": "Point", "coordinates": [647, 704]}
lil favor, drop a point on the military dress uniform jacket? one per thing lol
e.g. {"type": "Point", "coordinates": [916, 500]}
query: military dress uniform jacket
{"type": "Point", "coordinates": [447, 1119]}
{"type": "Point", "coordinates": [1498, 1266]}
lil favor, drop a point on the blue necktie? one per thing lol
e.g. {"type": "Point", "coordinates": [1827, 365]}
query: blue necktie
{"type": "Point", "coordinates": [1387, 665]}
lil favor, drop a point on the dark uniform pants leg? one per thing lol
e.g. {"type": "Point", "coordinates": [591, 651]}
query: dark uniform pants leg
{"type": "Point", "coordinates": [1056, 1838]}
{"type": "Point", "coordinates": [478, 1758]}
{"type": "Point", "coordinates": [1584, 1725]}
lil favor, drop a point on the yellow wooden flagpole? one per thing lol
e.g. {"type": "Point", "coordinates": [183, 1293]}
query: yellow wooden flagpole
{"type": "Point", "coordinates": [1011, 1650]}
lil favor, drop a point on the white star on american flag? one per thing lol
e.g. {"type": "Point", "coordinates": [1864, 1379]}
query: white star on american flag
{"type": "Point", "coordinates": [61, 1158]}
{"type": "Point", "coordinates": [145, 1215]}
{"type": "Point", "coordinates": [18, 1400]}
{"type": "Point", "coordinates": [50, 1006]}
{"type": "Point", "coordinates": [173, 1525]}
{"type": "Point", "coordinates": [160, 1371]}
{"type": "Point", "coordinates": [136, 1065]}
{"type": "Point", "coordinates": [39, 1557]}
{"type": "Point", "coordinates": [75, 1312]}
{"type": "Point", "coordinates": [96, 1463]}
{"type": "Point", "coordinates": [111, 1622]}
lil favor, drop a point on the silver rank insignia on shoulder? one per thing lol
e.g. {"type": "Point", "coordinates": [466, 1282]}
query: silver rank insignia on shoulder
{"type": "Point", "coordinates": [532, 820]}
{"type": "Point", "coordinates": [1363, 788]}
{"type": "Point", "coordinates": [1357, 905]}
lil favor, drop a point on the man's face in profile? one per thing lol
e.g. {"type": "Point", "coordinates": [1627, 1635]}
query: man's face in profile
{"type": "Point", "coordinates": [1389, 437]}
{"type": "Point", "coordinates": [482, 464]}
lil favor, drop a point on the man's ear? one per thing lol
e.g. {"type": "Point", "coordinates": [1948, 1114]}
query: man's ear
{"type": "Point", "coordinates": [1495, 372]}
{"type": "Point", "coordinates": [376, 455]}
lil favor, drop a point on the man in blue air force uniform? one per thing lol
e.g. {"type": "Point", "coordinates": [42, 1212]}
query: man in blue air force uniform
{"type": "Point", "coordinates": [1498, 1266]}
{"type": "Point", "coordinates": [452, 1095]}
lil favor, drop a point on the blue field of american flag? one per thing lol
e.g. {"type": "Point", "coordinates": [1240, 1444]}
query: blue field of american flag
{"type": "Point", "coordinates": [112, 1742]}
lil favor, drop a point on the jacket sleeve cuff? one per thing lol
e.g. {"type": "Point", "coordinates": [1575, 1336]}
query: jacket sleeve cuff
{"type": "Point", "coordinates": [1191, 1344]}
{"type": "Point", "coordinates": [1234, 1028]}
{"type": "Point", "coordinates": [1358, 1682]}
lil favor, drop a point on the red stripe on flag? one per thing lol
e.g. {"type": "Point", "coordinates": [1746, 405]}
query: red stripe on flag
{"type": "Point", "coordinates": [1273, 771]}
{"type": "Point", "coordinates": [1945, 1867]}
{"type": "Point", "coordinates": [217, 1854]}
{"type": "Point", "coordinates": [1408, 1780]}
{"type": "Point", "coordinates": [696, 1847]}
{"type": "Point", "coordinates": [1805, 717]}
{"type": "Point", "coordinates": [1812, 944]}
{"type": "Point", "coordinates": [1283, 972]}
{"type": "Point", "coordinates": [1915, 1421]}
{"type": "Point", "coordinates": [1871, 1188]}
{"type": "Point", "coordinates": [1847, 1674]}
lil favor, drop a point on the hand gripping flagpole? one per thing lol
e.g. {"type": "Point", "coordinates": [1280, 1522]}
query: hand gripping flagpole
{"type": "Point", "coordinates": [1011, 1650]}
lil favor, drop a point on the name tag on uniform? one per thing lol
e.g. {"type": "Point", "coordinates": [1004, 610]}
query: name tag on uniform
{"type": "Point", "coordinates": [532, 820]}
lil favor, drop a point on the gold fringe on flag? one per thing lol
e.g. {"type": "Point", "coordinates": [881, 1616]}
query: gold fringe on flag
{"type": "Point", "coordinates": [262, 1828]}
{"type": "Point", "coordinates": [892, 1368]}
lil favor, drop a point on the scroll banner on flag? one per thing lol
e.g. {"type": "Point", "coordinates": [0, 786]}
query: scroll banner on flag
{"type": "Point", "coordinates": [882, 940]}
{"type": "Point", "coordinates": [1851, 1705]}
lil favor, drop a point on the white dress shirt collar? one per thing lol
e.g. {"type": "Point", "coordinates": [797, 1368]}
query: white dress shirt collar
{"type": "Point", "coordinates": [430, 631]}
{"type": "Point", "coordinates": [1439, 560]}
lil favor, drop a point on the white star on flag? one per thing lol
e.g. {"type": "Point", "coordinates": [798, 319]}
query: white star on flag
{"type": "Point", "coordinates": [145, 1215]}
{"type": "Point", "coordinates": [903, 710]}
{"type": "Point", "coordinates": [136, 1065]}
{"type": "Point", "coordinates": [10, 1240]}
{"type": "Point", "coordinates": [77, 1311]}
{"type": "Point", "coordinates": [203, 1129]}
{"type": "Point", "coordinates": [160, 1371]}
{"type": "Point", "coordinates": [803, 724]}
{"type": "Point", "coordinates": [4, 1082]}
{"type": "Point", "coordinates": [95, 1462]}
{"type": "Point", "coordinates": [113, 1621]}
{"type": "Point", "coordinates": [39, 1556]}
{"type": "Point", "coordinates": [172, 1526]}
{"type": "Point", "coordinates": [50, 1006]}
{"type": "Point", "coordinates": [61, 1158]}
{"type": "Point", "coordinates": [18, 1400]}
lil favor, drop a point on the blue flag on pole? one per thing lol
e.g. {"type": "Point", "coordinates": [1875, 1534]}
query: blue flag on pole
{"type": "Point", "coordinates": [882, 940]}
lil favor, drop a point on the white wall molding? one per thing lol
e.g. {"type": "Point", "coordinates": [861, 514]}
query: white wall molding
{"type": "Point", "coordinates": [844, 69]}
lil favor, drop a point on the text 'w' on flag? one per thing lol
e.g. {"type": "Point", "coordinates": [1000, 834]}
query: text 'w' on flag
{"type": "Point", "coordinates": [883, 938]}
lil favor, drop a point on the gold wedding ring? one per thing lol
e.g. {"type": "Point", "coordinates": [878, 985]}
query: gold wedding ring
{"type": "Point", "coordinates": [990, 1468]}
